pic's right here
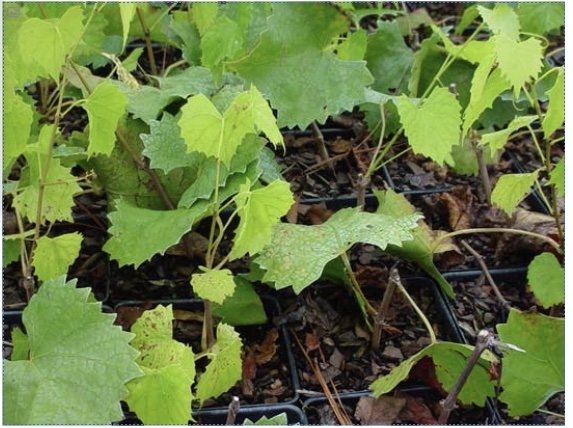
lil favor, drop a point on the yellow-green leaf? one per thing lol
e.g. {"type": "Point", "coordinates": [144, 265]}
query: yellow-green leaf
{"type": "Point", "coordinates": [510, 189]}
{"type": "Point", "coordinates": [53, 256]}
{"type": "Point", "coordinates": [555, 115]}
{"type": "Point", "coordinates": [215, 285]}
{"type": "Point", "coordinates": [546, 277]}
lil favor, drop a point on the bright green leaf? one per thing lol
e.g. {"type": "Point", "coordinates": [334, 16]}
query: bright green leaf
{"type": "Point", "coordinates": [244, 307]}
{"type": "Point", "coordinates": [530, 378]}
{"type": "Point", "coordinates": [546, 277]}
{"type": "Point", "coordinates": [496, 140]}
{"type": "Point", "coordinates": [519, 61]}
{"type": "Point", "coordinates": [557, 177]}
{"type": "Point", "coordinates": [127, 12]}
{"type": "Point", "coordinates": [433, 126]}
{"type": "Point", "coordinates": [298, 254]}
{"type": "Point", "coordinates": [449, 360]}
{"type": "Point", "coordinates": [105, 105]}
{"type": "Point", "coordinates": [128, 245]}
{"type": "Point", "coordinates": [10, 251]}
{"type": "Point", "coordinates": [280, 419]}
{"type": "Point", "coordinates": [555, 116]}
{"type": "Point", "coordinates": [293, 67]}
{"type": "Point", "coordinates": [53, 256]}
{"type": "Point", "coordinates": [163, 395]}
{"type": "Point", "coordinates": [222, 40]}
{"type": "Point", "coordinates": [224, 368]}
{"type": "Point", "coordinates": [259, 210]}
{"type": "Point", "coordinates": [421, 248]}
{"type": "Point", "coordinates": [388, 57]}
{"type": "Point", "coordinates": [541, 18]}
{"type": "Point", "coordinates": [354, 47]}
{"type": "Point", "coordinates": [204, 15]}
{"type": "Point", "coordinates": [77, 365]}
{"type": "Point", "coordinates": [213, 284]}
{"type": "Point", "coordinates": [45, 43]}
{"type": "Point", "coordinates": [18, 118]}
{"type": "Point", "coordinates": [21, 344]}
{"type": "Point", "coordinates": [510, 189]}
{"type": "Point", "coordinates": [501, 20]}
{"type": "Point", "coordinates": [58, 196]}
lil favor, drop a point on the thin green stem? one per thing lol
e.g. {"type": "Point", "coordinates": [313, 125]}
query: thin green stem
{"type": "Point", "coordinates": [543, 238]}
{"type": "Point", "coordinates": [356, 287]}
{"type": "Point", "coordinates": [380, 140]}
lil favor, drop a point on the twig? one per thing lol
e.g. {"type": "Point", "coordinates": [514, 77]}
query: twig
{"type": "Point", "coordinates": [147, 42]}
{"type": "Point", "coordinates": [234, 407]}
{"type": "Point", "coordinates": [322, 146]}
{"type": "Point", "coordinates": [381, 314]}
{"type": "Point", "coordinates": [361, 190]}
{"type": "Point", "coordinates": [338, 410]}
{"type": "Point", "coordinates": [485, 270]}
{"type": "Point", "coordinates": [483, 174]}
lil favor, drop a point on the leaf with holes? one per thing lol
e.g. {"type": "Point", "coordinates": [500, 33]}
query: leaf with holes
{"type": "Point", "coordinates": [163, 395]}
{"type": "Point", "coordinates": [213, 284]}
{"type": "Point", "coordinates": [530, 378]}
{"type": "Point", "coordinates": [297, 254]}
{"type": "Point", "coordinates": [77, 365]}
{"type": "Point", "coordinates": [224, 368]}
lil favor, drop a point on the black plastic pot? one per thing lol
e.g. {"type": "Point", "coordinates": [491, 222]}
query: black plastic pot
{"type": "Point", "coordinates": [315, 405]}
{"type": "Point", "coordinates": [273, 310]}
{"type": "Point", "coordinates": [295, 415]}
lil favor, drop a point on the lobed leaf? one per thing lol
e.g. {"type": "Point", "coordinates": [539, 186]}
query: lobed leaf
{"type": "Point", "coordinates": [137, 234]}
{"type": "Point", "coordinates": [555, 116]}
{"type": "Point", "coordinates": [77, 366]}
{"type": "Point", "coordinates": [259, 210]}
{"type": "Point", "coordinates": [496, 140]}
{"type": "Point", "coordinates": [433, 126]}
{"type": "Point", "coordinates": [298, 254]}
{"type": "Point", "coordinates": [546, 277]}
{"type": "Point", "coordinates": [53, 256]}
{"type": "Point", "coordinates": [530, 378]}
{"type": "Point", "coordinates": [224, 368]}
{"type": "Point", "coordinates": [163, 395]}
{"type": "Point", "coordinates": [501, 20]}
{"type": "Point", "coordinates": [541, 18]}
{"type": "Point", "coordinates": [557, 176]}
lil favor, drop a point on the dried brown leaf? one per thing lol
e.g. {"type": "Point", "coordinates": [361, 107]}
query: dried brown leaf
{"type": "Point", "coordinates": [416, 411]}
{"type": "Point", "coordinates": [383, 410]}
{"type": "Point", "coordinates": [266, 350]}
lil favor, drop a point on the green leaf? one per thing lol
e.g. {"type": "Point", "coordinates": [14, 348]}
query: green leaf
{"type": "Point", "coordinates": [44, 44]}
{"type": "Point", "coordinates": [557, 177]}
{"type": "Point", "coordinates": [58, 196]}
{"type": "Point", "coordinates": [280, 419]}
{"type": "Point", "coordinates": [205, 130]}
{"type": "Point", "coordinates": [204, 15]}
{"type": "Point", "coordinates": [77, 365]}
{"type": "Point", "coordinates": [137, 234]}
{"type": "Point", "coordinates": [519, 61]}
{"type": "Point", "coordinates": [127, 12]}
{"type": "Point", "coordinates": [298, 254]}
{"type": "Point", "coordinates": [546, 277]}
{"type": "Point", "coordinates": [18, 119]}
{"type": "Point", "coordinates": [10, 251]}
{"type": "Point", "coordinates": [354, 47]}
{"type": "Point", "coordinates": [21, 343]}
{"type": "Point", "coordinates": [421, 248]}
{"type": "Point", "coordinates": [259, 210]}
{"type": "Point", "coordinates": [510, 189]}
{"type": "Point", "coordinates": [555, 116]}
{"type": "Point", "coordinates": [53, 256]}
{"type": "Point", "coordinates": [496, 140]}
{"type": "Point", "coordinates": [530, 378]}
{"type": "Point", "coordinates": [449, 360]}
{"type": "Point", "coordinates": [164, 146]}
{"type": "Point", "coordinates": [222, 40]}
{"type": "Point", "coordinates": [433, 126]}
{"type": "Point", "coordinates": [292, 65]}
{"type": "Point", "coordinates": [495, 84]}
{"type": "Point", "coordinates": [224, 368]}
{"type": "Point", "coordinates": [243, 307]}
{"type": "Point", "coordinates": [389, 59]}
{"type": "Point", "coordinates": [213, 284]}
{"type": "Point", "coordinates": [541, 18]}
{"type": "Point", "coordinates": [105, 105]}
{"type": "Point", "coordinates": [501, 20]}
{"type": "Point", "coordinates": [163, 395]}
